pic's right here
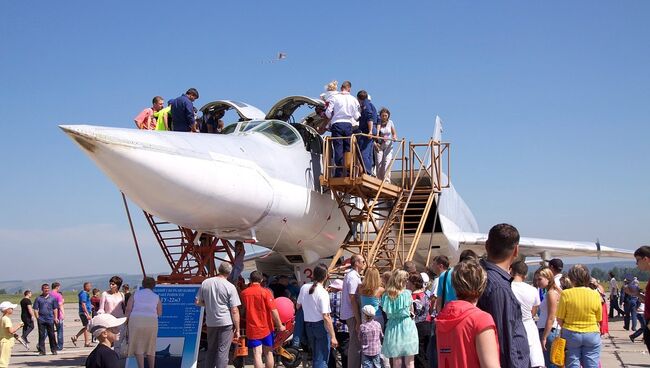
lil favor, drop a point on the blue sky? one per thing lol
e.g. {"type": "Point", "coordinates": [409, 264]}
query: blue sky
{"type": "Point", "coordinates": [546, 105]}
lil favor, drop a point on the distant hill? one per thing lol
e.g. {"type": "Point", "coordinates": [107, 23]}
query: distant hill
{"type": "Point", "coordinates": [101, 281]}
{"type": "Point", "coordinates": [68, 283]}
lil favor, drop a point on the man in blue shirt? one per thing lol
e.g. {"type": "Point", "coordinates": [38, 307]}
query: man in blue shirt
{"type": "Point", "coordinates": [85, 314]}
{"type": "Point", "coordinates": [502, 247]}
{"type": "Point", "coordinates": [367, 124]}
{"type": "Point", "coordinates": [183, 111]}
{"type": "Point", "coordinates": [46, 308]}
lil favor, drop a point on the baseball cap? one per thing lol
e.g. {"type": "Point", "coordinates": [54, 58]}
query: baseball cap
{"type": "Point", "coordinates": [425, 277]}
{"type": "Point", "coordinates": [7, 305]}
{"type": "Point", "coordinates": [368, 310]}
{"type": "Point", "coordinates": [103, 322]}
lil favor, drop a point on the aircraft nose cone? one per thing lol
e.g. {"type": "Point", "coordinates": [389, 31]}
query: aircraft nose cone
{"type": "Point", "coordinates": [185, 178]}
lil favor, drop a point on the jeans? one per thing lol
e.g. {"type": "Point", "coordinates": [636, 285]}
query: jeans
{"type": "Point", "coordinates": [639, 332]}
{"type": "Point", "coordinates": [219, 341]}
{"type": "Point", "coordinates": [46, 329]}
{"type": "Point", "coordinates": [59, 334]}
{"type": "Point", "coordinates": [583, 349]}
{"type": "Point", "coordinates": [298, 329]}
{"type": "Point", "coordinates": [629, 307]}
{"type": "Point", "coordinates": [319, 343]}
{"type": "Point", "coordinates": [549, 342]}
{"type": "Point", "coordinates": [371, 361]}
{"type": "Point", "coordinates": [340, 146]}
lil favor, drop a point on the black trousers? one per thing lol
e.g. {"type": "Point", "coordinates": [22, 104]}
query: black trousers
{"type": "Point", "coordinates": [614, 306]}
{"type": "Point", "coordinates": [28, 327]}
{"type": "Point", "coordinates": [46, 329]}
{"type": "Point", "coordinates": [342, 338]}
{"type": "Point", "coordinates": [646, 337]}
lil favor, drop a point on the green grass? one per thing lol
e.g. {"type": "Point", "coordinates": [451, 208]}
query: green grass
{"type": "Point", "coordinates": [68, 296]}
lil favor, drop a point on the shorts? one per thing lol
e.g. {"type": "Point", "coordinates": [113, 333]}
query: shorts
{"type": "Point", "coordinates": [265, 341]}
{"type": "Point", "coordinates": [84, 319]}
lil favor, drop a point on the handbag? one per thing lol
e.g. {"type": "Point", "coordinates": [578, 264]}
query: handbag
{"type": "Point", "coordinates": [557, 351]}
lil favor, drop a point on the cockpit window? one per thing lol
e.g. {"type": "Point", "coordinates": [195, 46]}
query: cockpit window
{"type": "Point", "coordinates": [229, 129]}
{"type": "Point", "coordinates": [278, 132]}
{"type": "Point", "coordinates": [249, 125]}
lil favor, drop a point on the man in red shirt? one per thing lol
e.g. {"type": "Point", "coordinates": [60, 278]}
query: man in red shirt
{"type": "Point", "coordinates": [642, 256]}
{"type": "Point", "coordinates": [261, 315]}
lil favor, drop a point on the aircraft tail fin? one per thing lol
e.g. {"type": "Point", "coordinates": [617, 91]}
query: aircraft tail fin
{"type": "Point", "coordinates": [437, 129]}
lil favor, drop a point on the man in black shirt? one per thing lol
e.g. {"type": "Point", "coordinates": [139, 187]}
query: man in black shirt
{"type": "Point", "coordinates": [502, 247]}
{"type": "Point", "coordinates": [105, 328]}
{"type": "Point", "coordinates": [27, 314]}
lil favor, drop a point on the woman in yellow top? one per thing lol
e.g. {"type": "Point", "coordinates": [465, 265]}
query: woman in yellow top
{"type": "Point", "coordinates": [579, 314]}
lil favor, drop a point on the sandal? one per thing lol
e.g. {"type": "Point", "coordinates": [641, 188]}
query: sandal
{"type": "Point", "coordinates": [74, 340]}
{"type": "Point", "coordinates": [89, 345]}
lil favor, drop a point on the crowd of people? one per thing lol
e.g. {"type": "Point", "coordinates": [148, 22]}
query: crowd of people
{"type": "Point", "coordinates": [345, 115]}
{"type": "Point", "coordinates": [478, 312]}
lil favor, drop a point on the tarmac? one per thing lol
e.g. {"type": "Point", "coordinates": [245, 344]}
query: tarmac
{"type": "Point", "coordinates": [617, 350]}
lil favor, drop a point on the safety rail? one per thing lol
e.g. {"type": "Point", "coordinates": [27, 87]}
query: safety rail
{"type": "Point", "coordinates": [386, 218]}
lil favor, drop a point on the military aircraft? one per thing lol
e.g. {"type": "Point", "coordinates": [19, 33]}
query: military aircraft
{"type": "Point", "coordinates": [258, 181]}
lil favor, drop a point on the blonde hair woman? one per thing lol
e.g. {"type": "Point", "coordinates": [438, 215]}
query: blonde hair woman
{"type": "Point", "coordinates": [401, 336]}
{"type": "Point", "coordinates": [547, 324]}
{"type": "Point", "coordinates": [370, 293]}
{"type": "Point", "coordinates": [579, 313]}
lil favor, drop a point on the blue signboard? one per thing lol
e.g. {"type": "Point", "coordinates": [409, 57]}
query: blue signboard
{"type": "Point", "coordinates": [179, 327]}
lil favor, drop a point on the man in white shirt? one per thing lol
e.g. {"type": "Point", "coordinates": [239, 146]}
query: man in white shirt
{"type": "Point", "coordinates": [343, 110]}
{"type": "Point", "coordinates": [528, 298]}
{"type": "Point", "coordinates": [350, 310]}
{"type": "Point", "coordinates": [614, 291]}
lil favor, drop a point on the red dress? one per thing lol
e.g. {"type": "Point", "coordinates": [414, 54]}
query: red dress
{"type": "Point", "coordinates": [604, 324]}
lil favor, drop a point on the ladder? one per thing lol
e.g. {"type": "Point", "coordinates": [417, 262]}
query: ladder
{"type": "Point", "coordinates": [386, 221]}
{"type": "Point", "coordinates": [191, 255]}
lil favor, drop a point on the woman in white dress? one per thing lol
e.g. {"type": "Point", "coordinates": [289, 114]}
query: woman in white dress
{"type": "Point", "coordinates": [384, 148]}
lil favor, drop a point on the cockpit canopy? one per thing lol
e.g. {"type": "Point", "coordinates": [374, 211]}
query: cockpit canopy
{"type": "Point", "coordinates": [276, 130]}
{"type": "Point", "coordinates": [244, 110]}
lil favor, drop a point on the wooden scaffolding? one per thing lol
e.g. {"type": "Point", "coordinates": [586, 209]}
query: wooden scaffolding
{"type": "Point", "coordinates": [386, 217]}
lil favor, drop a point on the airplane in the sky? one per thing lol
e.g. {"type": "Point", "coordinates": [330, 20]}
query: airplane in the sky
{"type": "Point", "coordinates": [258, 181]}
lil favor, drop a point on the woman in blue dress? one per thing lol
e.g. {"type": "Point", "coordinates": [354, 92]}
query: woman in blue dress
{"type": "Point", "coordinates": [401, 335]}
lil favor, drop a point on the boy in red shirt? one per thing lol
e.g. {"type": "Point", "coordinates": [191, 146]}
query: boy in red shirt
{"type": "Point", "coordinates": [261, 314]}
{"type": "Point", "coordinates": [466, 334]}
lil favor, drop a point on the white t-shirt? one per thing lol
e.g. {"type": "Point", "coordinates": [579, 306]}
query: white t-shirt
{"type": "Point", "coordinates": [343, 108]}
{"type": "Point", "coordinates": [557, 280]}
{"type": "Point", "coordinates": [434, 286]}
{"type": "Point", "coordinates": [528, 298]}
{"type": "Point", "coordinates": [314, 305]}
{"type": "Point", "coordinates": [351, 282]}
{"type": "Point", "coordinates": [613, 287]}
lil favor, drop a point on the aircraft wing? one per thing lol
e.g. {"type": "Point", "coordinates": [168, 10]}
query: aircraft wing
{"type": "Point", "coordinates": [545, 248]}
